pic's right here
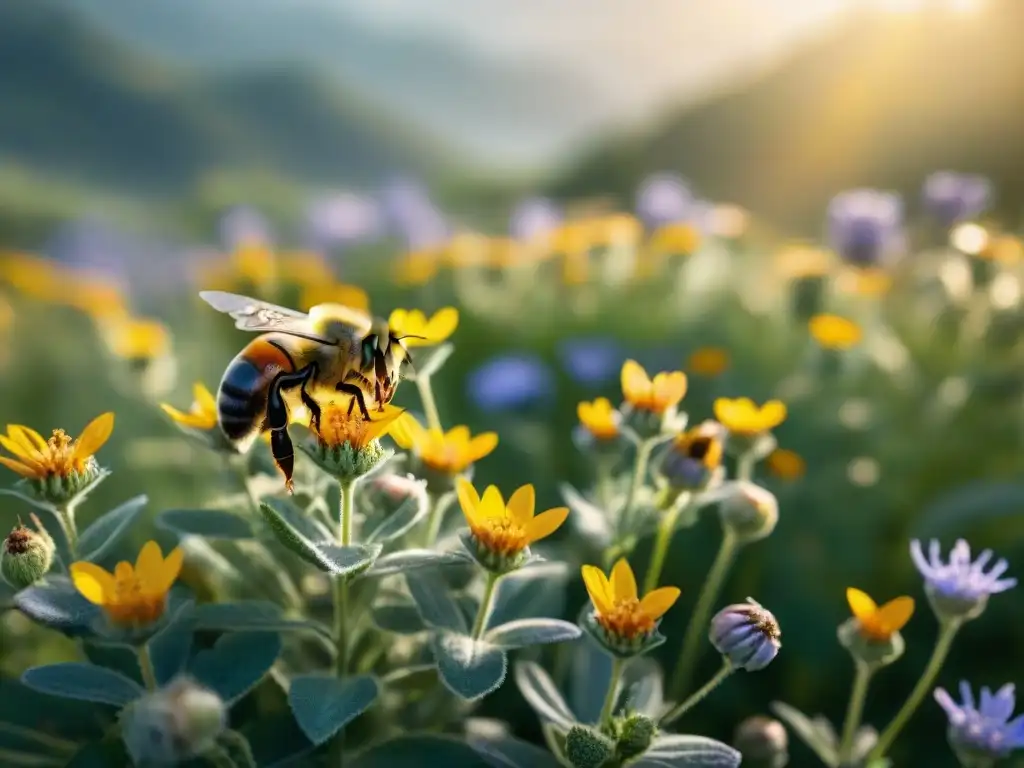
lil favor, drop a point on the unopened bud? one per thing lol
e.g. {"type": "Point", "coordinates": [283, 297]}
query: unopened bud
{"type": "Point", "coordinates": [586, 748]}
{"type": "Point", "coordinates": [345, 462]}
{"type": "Point", "coordinates": [873, 651]}
{"type": "Point", "coordinates": [635, 734]}
{"type": "Point", "coordinates": [763, 742]}
{"type": "Point", "coordinates": [747, 634]}
{"type": "Point", "coordinates": [749, 511]}
{"type": "Point", "coordinates": [26, 555]}
{"type": "Point", "coordinates": [175, 724]}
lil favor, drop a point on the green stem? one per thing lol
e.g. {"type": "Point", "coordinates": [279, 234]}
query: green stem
{"type": "Point", "coordinates": [429, 404]}
{"type": "Point", "coordinates": [438, 505]}
{"type": "Point", "coordinates": [636, 482]}
{"type": "Point", "coordinates": [485, 605]}
{"type": "Point", "coordinates": [666, 528]}
{"type": "Point", "coordinates": [947, 632]}
{"type": "Point", "coordinates": [604, 483]}
{"type": "Point", "coordinates": [341, 617]}
{"type": "Point", "coordinates": [702, 613]}
{"type": "Point", "coordinates": [146, 667]}
{"type": "Point", "coordinates": [745, 466]}
{"type": "Point", "coordinates": [854, 710]}
{"type": "Point", "coordinates": [677, 712]}
{"type": "Point", "coordinates": [66, 519]}
{"type": "Point", "coordinates": [618, 665]}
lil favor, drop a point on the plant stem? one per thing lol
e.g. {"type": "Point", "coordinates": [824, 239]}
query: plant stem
{"type": "Point", "coordinates": [429, 404]}
{"type": "Point", "coordinates": [613, 689]}
{"type": "Point", "coordinates": [603, 473]}
{"type": "Point", "coordinates": [745, 466]}
{"type": "Point", "coordinates": [66, 519]}
{"type": "Point", "coordinates": [666, 527]}
{"type": "Point", "coordinates": [341, 618]}
{"type": "Point", "coordinates": [677, 712]}
{"type": "Point", "coordinates": [854, 710]}
{"type": "Point", "coordinates": [146, 667]}
{"type": "Point", "coordinates": [947, 632]}
{"type": "Point", "coordinates": [485, 605]}
{"type": "Point", "coordinates": [438, 506]}
{"type": "Point", "coordinates": [702, 612]}
{"type": "Point", "coordinates": [636, 482]}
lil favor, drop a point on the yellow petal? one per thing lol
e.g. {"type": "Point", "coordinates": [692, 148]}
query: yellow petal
{"type": "Point", "coordinates": [17, 466]}
{"type": "Point", "coordinates": [861, 606]}
{"type": "Point", "coordinates": [193, 420]}
{"type": "Point", "coordinates": [95, 434]}
{"type": "Point", "coordinates": [94, 583]}
{"type": "Point", "coordinates": [407, 432]}
{"type": "Point", "coordinates": [170, 567]}
{"type": "Point", "coordinates": [724, 409]}
{"type": "Point", "coordinates": [469, 500]}
{"type": "Point", "coordinates": [32, 458]}
{"type": "Point", "coordinates": [623, 581]}
{"type": "Point", "coordinates": [598, 588]}
{"type": "Point", "coordinates": [28, 436]}
{"type": "Point", "coordinates": [773, 413]}
{"type": "Point", "coordinates": [442, 324]}
{"type": "Point", "coordinates": [669, 388]}
{"type": "Point", "coordinates": [635, 383]}
{"type": "Point", "coordinates": [204, 399]}
{"type": "Point", "coordinates": [585, 412]}
{"type": "Point", "coordinates": [657, 602]}
{"type": "Point", "coordinates": [457, 436]}
{"type": "Point", "coordinates": [481, 446]}
{"type": "Point", "coordinates": [123, 571]}
{"type": "Point", "coordinates": [149, 562]}
{"type": "Point", "coordinates": [492, 505]}
{"type": "Point", "coordinates": [895, 614]}
{"type": "Point", "coordinates": [397, 321]}
{"type": "Point", "coordinates": [521, 505]}
{"type": "Point", "coordinates": [546, 523]}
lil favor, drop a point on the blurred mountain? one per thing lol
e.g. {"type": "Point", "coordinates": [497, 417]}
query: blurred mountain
{"type": "Point", "coordinates": [881, 102]}
{"type": "Point", "coordinates": [83, 107]}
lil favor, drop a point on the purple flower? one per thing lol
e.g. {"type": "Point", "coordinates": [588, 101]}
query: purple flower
{"type": "Point", "coordinates": [981, 734]}
{"type": "Point", "coordinates": [510, 382]}
{"type": "Point", "coordinates": [591, 361]}
{"type": "Point", "coordinates": [865, 226]}
{"type": "Point", "coordinates": [342, 218]}
{"type": "Point", "coordinates": [663, 198]}
{"type": "Point", "coordinates": [533, 218]}
{"type": "Point", "coordinates": [954, 197]}
{"type": "Point", "coordinates": [746, 634]}
{"type": "Point", "coordinates": [959, 588]}
{"type": "Point", "coordinates": [243, 225]}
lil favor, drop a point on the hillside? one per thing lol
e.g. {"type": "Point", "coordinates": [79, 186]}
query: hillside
{"type": "Point", "coordinates": [881, 103]}
{"type": "Point", "coordinates": [82, 108]}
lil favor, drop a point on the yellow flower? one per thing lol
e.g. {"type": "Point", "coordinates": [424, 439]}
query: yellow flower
{"type": "Point", "coordinates": [131, 596]}
{"type": "Point", "coordinates": [32, 276]}
{"type": "Point", "coordinates": [834, 332]}
{"type": "Point", "coordinates": [137, 338]}
{"type": "Point", "coordinates": [743, 418]}
{"type": "Point", "coordinates": [572, 238]}
{"type": "Point", "coordinates": [799, 260]}
{"type": "Point", "coordinates": [416, 268]}
{"type": "Point", "coordinates": [255, 262]}
{"type": "Point", "coordinates": [702, 443]}
{"type": "Point", "coordinates": [97, 297]}
{"type": "Point", "coordinates": [467, 249]}
{"type": "Point", "coordinates": [617, 606]}
{"type": "Point", "coordinates": [341, 422]}
{"type": "Point", "coordinates": [615, 230]}
{"type": "Point", "coordinates": [785, 464]}
{"type": "Point", "coordinates": [1005, 249]}
{"type": "Point", "coordinates": [507, 529]}
{"type": "Point", "coordinates": [599, 418]}
{"type": "Point", "coordinates": [449, 452]}
{"type": "Point", "coordinates": [870, 282]}
{"type": "Point", "coordinates": [656, 395]}
{"type": "Point", "coordinates": [334, 293]}
{"type": "Point", "coordinates": [60, 456]}
{"type": "Point", "coordinates": [708, 361]}
{"type": "Point", "coordinates": [675, 239]}
{"type": "Point", "coordinates": [419, 331]}
{"type": "Point", "coordinates": [879, 623]}
{"type": "Point", "coordinates": [306, 268]}
{"type": "Point", "coordinates": [202, 414]}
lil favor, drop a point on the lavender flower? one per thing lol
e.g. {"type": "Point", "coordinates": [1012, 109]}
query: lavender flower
{"type": "Point", "coordinates": [955, 197]}
{"type": "Point", "coordinates": [959, 589]}
{"type": "Point", "coordinates": [865, 226]}
{"type": "Point", "coordinates": [533, 218]}
{"type": "Point", "coordinates": [980, 735]}
{"type": "Point", "coordinates": [663, 198]}
{"type": "Point", "coordinates": [243, 225]}
{"type": "Point", "coordinates": [746, 634]}
{"type": "Point", "coordinates": [510, 382]}
{"type": "Point", "coordinates": [341, 219]}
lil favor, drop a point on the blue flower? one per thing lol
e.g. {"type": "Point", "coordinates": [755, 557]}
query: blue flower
{"type": "Point", "coordinates": [664, 198]}
{"type": "Point", "coordinates": [959, 588]}
{"type": "Point", "coordinates": [591, 361]}
{"type": "Point", "coordinates": [865, 226]}
{"type": "Point", "coordinates": [954, 197]}
{"type": "Point", "coordinates": [509, 382]}
{"type": "Point", "coordinates": [981, 734]}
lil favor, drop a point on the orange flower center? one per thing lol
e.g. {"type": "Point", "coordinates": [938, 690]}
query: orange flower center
{"type": "Point", "coordinates": [873, 629]}
{"type": "Point", "coordinates": [605, 429]}
{"type": "Point", "coordinates": [626, 620]}
{"type": "Point", "coordinates": [59, 456]}
{"type": "Point", "coordinates": [131, 605]}
{"type": "Point", "coordinates": [501, 535]}
{"type": "Point", "coordinates": [338, 427]}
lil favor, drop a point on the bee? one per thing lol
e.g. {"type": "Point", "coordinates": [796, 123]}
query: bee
{"type": "Point", "coordinates": [298, 358]}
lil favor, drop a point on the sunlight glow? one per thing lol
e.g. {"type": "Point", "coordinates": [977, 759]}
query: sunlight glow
{"type": "Point", "coordinates": [914, 6]}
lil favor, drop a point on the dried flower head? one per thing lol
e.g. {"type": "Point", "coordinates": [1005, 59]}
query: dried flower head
{"type": "Point", "coordinates": [26, 555]}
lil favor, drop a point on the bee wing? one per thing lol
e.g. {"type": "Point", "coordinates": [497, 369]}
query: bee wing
{"type": "Point", "coordinates": [260, 316]}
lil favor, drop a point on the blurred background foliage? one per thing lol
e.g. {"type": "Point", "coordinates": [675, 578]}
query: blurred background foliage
{"type": "Point", "coordinates": [147, 152]}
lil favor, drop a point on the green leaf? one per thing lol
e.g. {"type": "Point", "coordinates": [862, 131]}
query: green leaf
{"type": "Point", "coordinates": [328, 557]}
{"type": "Point", "coordinates": [810, 732]}
{"type": "Point", "coordinates": [58, 605]}
{"type": "Point", "coordinates": [408, 514]}
{"type": "Point", "coordinates": [469, 668]}
{"type": "Point", "coordinates": [589, 675]}
{"type": "Point", "coordinates": [401, 618]}
{"type": "Point", "coordinates": [523, 633]}
{"type": "Point", "coordinates": [542, 694]}
{"type": "Point", "coordinates": [208, 523]}
{"type": "Point", "coordinates": [323, 705]}
{"type": "Point", "coordinates": [435, 603]}
{"type": "Point", "coordinates": [100, 754]}
{"type": "Point", "coordinates": [430, 360]}
{"type": "Point", "coordinates": [236, 662]}
{"type": "Point", "coordinates": [590, 521]}
{"type": "Point", "coordinates": [277, 741]}
{"type": "Point", "coordinates": [537, 591]}
{"type": "Point", "coordinates": [689, 752]}
{"type": "Point", "coordinates": [250, 616]}
{"type": "Point", "coordinates": [510, 752]}
{"type": "Point", "coordinates": [170, 648]}
{"type": "Point", "coordinates": [100, 538]}
{"type": "Point", "coordinates": [26, 714]}
{"type": "Point", "coordinates": [420, 751]}
{"type": "Point", "coordinates": [413, 559]}
{"type": "Point", "coordinates": [85, 682]}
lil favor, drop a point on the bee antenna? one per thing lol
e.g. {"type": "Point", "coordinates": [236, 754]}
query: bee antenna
{"type": "Point", "coordinates": [409, 336]}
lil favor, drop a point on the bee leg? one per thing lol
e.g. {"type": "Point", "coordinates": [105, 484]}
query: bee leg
{"type": "Point", "coordinates": [358, 398]}
{"type": "Point", "coordinates": [278, 418]}
{"type": "Point", "coordinates": [284, 455]}
{"type": "Point", "coordinates": [314, 409]}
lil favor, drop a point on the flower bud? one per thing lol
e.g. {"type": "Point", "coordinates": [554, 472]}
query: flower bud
{"type": "Point", "coordinates": [385, 493]}
{"type": "Point", "coordinates": [26, 555]}
{"type": "Point", "coordinates": [175, 724]}
{"type": "Point", "coordinates": [586, 748]}
{"type": "Point", "coordinates": [747, 635]}
{"type": "Point", "coordinates": [749, 511]}
{"type": "Point", "coordinates": [346, 462]}
{"type": "Point", "coordinates": [635, 734]}
{"type": "Point", "coordinates": [874, 652]}
{"type": "Point", "coordinates": [763, 742]}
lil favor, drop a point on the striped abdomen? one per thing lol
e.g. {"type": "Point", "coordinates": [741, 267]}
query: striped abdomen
{"type": "Point", "coordinates": [242, 397]}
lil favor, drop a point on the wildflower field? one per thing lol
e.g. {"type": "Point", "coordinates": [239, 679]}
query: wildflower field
{"type": "Point", "coordinates": [657, 487]}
